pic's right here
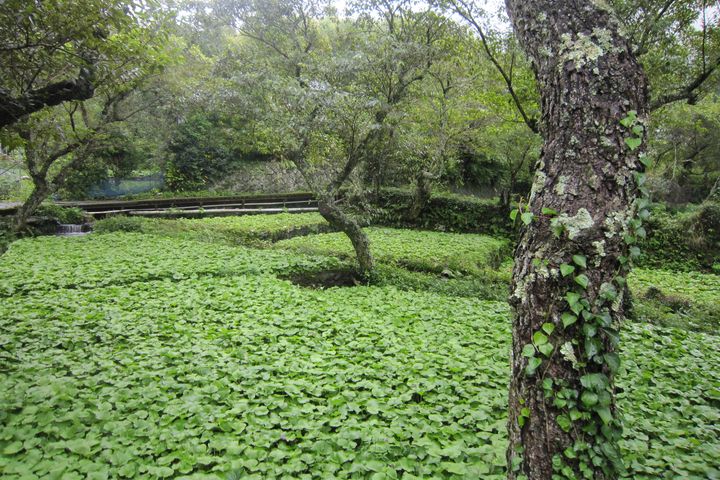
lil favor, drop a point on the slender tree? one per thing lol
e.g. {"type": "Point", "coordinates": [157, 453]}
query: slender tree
{"type": "Point", "coordinates": [582, 218]}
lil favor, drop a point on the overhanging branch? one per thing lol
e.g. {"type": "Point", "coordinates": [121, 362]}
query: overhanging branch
{"type": "Point", "coordinates": [689, 92]}
{"type": "Point", "coordinates": [13, 109]}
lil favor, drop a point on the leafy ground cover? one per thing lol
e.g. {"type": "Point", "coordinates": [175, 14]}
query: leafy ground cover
{"type": "Point", "coordinates": [44, 263]}
{"type": "Point", "coordinates": [413, 249]}
{"type": "Point", "coordinates": [246, 229]}
{"type": "Point", "coordinates": [244, 375]}
{"type": "Point", "coordinates": [679, 299]}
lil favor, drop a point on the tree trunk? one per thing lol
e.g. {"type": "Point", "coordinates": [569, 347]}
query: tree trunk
{"type": "Point", "coordinates": [335, 217]}
{"type": "Point", "coordinates": [421, 196]}
{"type": "Point", "coordinates": [571, 260]}
{"type": "Point", "coordinates": [40, 192]}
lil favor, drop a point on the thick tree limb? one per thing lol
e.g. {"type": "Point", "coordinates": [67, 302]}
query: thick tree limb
{"type": "Point", "coordinates": [689, 92]}
{"type": "Point", "coordinates": [12, 109]}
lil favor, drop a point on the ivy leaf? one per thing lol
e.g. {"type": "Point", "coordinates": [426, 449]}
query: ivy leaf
{"type": "Point", "coordinates": [595, 381]}
{"type": "Point", "coordinates": [539, 338]}
{"type": "Point", "coordinates": [564, 422]}
{"type": "Point", "coordinates": [527, 217]}
{"type": "Point", "coordinates": [513, 214]}
{"type": "Point", "coordinates": [633, 142]}
{"type": "Point", "coordinates": [638, 130]}
{"type": "Point", "coordinates": [592, 347]}
{"type": "Point", "coordinates": [568, 319]}
{"type": "Point", "coordinates": [533, 364]}
{"type": "Point", "coordinates": [605, 414]}
{"type": "Point", "coordinates": [589, 398]}
{"type": "Point", "coordinates": [612, 360]}
{"type": "Point", "coordinates": [548, 328]}
{"type": "Point", "coordinates": [629, 119]}
{"type": "Point", "coordinates": [645, 160]}
{"type": "Point", "coordinates": [566, 269]}
{"type": "Point", "coordinates": [572, 298]}
{"type": "Point", "coordinates": [528, 350]}
{"type": "Point", "coordinates": [546, 349]}
{"type": "Point", "coordinates": [582, 280]}
{"type": "Point", "coordinates": [549, 211]}
{"type": "Point", "coordinates": [580, 260]}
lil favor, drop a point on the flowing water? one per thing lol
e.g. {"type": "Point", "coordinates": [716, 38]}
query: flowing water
{"type": "Point", "coordinates": [71, 230]}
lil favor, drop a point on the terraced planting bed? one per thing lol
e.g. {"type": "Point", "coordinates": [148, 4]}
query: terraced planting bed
{"type": "Point", "coordinates": [245, 229]}
{"type": "Point", "coordinates": [413, 249]}
{"type": "Point", "coordinates": [136, 356]}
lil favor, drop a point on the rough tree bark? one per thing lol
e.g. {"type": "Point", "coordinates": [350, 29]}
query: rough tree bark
{"type": "Point", "coordinates": [12, 109]}
{"type": "Point", "coordinates": [421, 195]}
{"type": "Point", "coordinates": [569, 263]}
{"type": "Point", "coordinates": [41, 191]}
{"type": "Point", "coordinates": [329, 209]}
{"type": "Point", "coordinates": [338, 219]}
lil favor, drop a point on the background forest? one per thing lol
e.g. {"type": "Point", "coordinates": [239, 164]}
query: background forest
{"type": "Point", "coordinates": [434, 97]}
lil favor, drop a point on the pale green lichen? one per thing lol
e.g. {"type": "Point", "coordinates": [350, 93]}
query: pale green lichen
{"type": "Point", "coordinates": [602, 5]}
{"type": "Point", "coordinates": [520, 291]}
{"type": "Point", "coordinates": [620, 179]}
{"type": "Point", "coordinates": [599, 247]}
{"type": "Point", "coordinates": [574, 225]}
{"type": "Point", "coordinates": [568, 353]}
{"type": "Point", "coordinates": [561, 185]}
{"type": "Point", "coordinates": [538, 184]}
{"type": "Point", "coordinates": [586, 49]}
{"type": "Point", "coordinates": [542, 270]}
{"type": "Point", "coordinates": [616, 223]}
{"type": "Point", "coordinates": [607, 142]}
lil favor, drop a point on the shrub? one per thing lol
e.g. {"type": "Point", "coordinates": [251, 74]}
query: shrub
{"type": "Point", "coordinates": [683, 241]}
{"type": "Point", "coordinates": [444, 212]}
{"type": "Point", "coordinates": [199, 154]}
{"type": "Point", "coordinates": [121, 223]}
{"type": "Point", "coordinates": [61, 214]}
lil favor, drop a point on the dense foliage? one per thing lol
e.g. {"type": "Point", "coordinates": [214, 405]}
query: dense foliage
{"type": "Point", "coordinates": [443, 212]}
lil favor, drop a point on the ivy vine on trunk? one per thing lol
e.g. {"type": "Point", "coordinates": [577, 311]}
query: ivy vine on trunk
{"type": "Point", "coordinates": [582, 219]}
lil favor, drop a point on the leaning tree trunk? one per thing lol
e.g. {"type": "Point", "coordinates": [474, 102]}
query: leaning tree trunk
{"type": "Point", "coordinates": [361, 243]}
{"type": "Point", "coordinates": [40, 192]}
{"type": "Point", "coordinates": [571, 260]}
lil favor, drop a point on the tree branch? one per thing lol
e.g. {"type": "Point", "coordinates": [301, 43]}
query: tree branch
{"type": "Point", "coordinates": [12, 109]}
{"type": "Point", "coordinates": [642, 43]}
{"type": "Point", "coordinates": [462, 9]}
{"type": "Point", "coordinates": [688, 92]}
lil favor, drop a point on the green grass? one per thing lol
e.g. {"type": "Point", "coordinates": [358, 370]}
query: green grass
{"type": "Point", "coordinates": [416, 250]}
{"type": "Point", "coordinates": [135, 356]}
{"type": "Point", "coordinates": [246, 229]}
